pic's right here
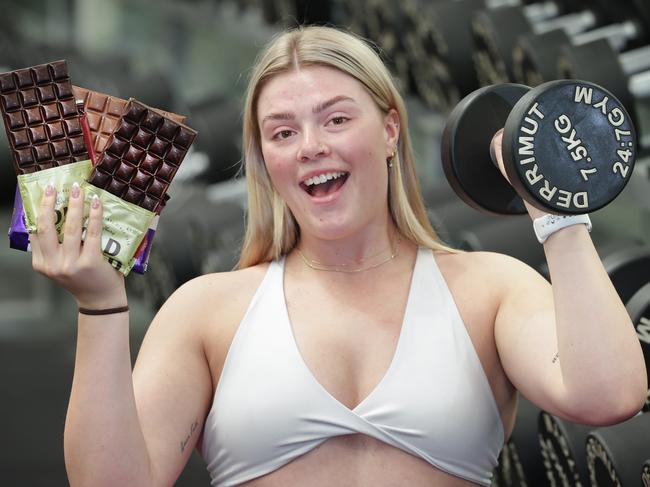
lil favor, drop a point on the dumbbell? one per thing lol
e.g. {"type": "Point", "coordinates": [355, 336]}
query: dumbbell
{"type": "Point", "coordinates": [384, 21]}
{"type": "Point", "coordinates": [562, 445]}
{"type": "Point", "coordinates": [520, 462]}
{"type": "Point", "coordinates": [626, 75]}
{"type": "Point", "coordinates": [509, 236]}
{"type": "Point", "coordinates": [615, 454]}
{"type": "Point", "coordinates": [437, 47]}
{"type": "Point", "coordinates": [535, 55]}
{"type": "Point", "coordinates": [495, 32]}
{"type": "Point", "coordinates": [561, 153]}
{"type": "Point", "coordinates": [218, 116]}
{"type": "Point", "coordinates": [645, 475]}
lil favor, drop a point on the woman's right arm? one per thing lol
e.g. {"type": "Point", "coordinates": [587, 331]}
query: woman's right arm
{"type": "Point", "coordinates": [120, 430]}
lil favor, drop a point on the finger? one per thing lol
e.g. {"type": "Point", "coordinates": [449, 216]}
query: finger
{"type": "Point", "coordinates": [45, 225]}
{"type": "Point", "coordinates": [37, 257]}
{"type": "Point", "coordinates": [73, 223]}
{"type": "Point", "coordinates": [496, 154]}
{"type": "Point", "coordinates": [92, 242]}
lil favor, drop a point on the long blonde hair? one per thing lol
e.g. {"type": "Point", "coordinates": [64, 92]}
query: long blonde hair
{"type": "Point", "coordinates": [271, 229]}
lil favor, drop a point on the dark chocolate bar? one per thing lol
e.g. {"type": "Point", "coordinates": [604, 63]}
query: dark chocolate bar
{"type": "Point", "coordinates": [104, 112]}
{"type": "Point", "coordinates": [41, 117]}
{"type": "Point", "coordinates": [142, 156]}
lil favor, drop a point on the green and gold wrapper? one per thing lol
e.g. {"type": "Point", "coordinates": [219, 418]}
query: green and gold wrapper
{"type": "Point", "coordinates": [32, 188]}
{"type": "Point", "coordinates": [124, 227]}
{"type": "Point", "coordinates": [124, 224]}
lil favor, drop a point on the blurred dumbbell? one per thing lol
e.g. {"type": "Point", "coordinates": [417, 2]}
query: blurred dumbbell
{"type": "Point", "coordinates": [645, 475]}
{"type": "Point", "coordinates": [535, 55]}
{"type": "Point", "coordinates": [385, 21]}
{"type": "Point", "coordinates": [510, 236]}
{"type": "Point", "coordinates": [626, 75]}
{"type": "Point", "coordinates": [562, 446]}
{"type": "Point", "coordinates": [452, 218]}
{"type": "Point", "coordinates": [438, 47]}
{"type": "Point", "coordinates": [615, 454]}
{"type": "Point", "coordinates": [520, 462]}
{"type": "Point", "coordinates": [496, 31]}
{"type": "Point", "coordinates": [220, 118]}
{"type": "Point", "coordinates": [295, 12]}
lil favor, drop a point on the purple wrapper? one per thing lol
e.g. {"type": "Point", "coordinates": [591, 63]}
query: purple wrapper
{"type": "Point", "coordinates": [142, 254]}
{"type": "Point", "coordinates": [18, 234]}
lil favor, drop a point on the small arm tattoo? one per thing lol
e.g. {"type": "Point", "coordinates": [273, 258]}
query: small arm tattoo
{"type": "Point", "coordinates": [193, 428]}
{"type": "Point", "coordinates": [556, 357]}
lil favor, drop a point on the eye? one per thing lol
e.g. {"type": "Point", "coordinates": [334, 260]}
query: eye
{"type": "Point", "coordinates": [282, 134]}
{"type": "Point", "coordinates": [340, 120]}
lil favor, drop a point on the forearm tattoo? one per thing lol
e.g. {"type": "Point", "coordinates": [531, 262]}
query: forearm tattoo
{"type": "Point", "coordinates": [556, 357]}
{"type": "Point", "coordinates": [193, 428]}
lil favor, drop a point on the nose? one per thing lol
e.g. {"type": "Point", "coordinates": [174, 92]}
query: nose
{"type": "Point", "coordinates": [312, 146]}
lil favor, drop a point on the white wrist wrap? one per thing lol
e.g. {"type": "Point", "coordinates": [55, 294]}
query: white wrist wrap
{"type": "Point", "coordinates": [547, 225]}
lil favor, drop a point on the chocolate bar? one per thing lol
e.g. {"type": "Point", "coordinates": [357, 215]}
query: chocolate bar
{"type": "Point", "coordinates": [104, 112]}
{"type": "Point", "coordinates": [41, 117]}
{"type": "Point", "coordinates": [142, 156]}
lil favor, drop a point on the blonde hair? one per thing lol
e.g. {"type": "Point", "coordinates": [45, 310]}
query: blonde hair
{"type": "Point", "coordinates": [271, 229]}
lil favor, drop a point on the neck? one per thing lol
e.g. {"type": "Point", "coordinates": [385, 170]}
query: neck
{"type": "Point", "coordinates": [355, 253]}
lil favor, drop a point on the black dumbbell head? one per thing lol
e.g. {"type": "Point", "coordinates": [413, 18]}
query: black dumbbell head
{"type": "Point", "coordinates": [466, 149]}
{"type": "Point", "coordinates": [569, 147]}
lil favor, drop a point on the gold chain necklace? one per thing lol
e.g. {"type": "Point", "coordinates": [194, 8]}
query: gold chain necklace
{"type": "Point", "coordinates": [319, 266]}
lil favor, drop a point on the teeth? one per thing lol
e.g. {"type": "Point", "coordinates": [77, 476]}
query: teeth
{"type": "Point", "coordinates": [323, 178]}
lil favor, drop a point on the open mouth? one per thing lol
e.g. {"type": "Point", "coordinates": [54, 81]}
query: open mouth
{"type": "Point", "coordinates": [325, 184]}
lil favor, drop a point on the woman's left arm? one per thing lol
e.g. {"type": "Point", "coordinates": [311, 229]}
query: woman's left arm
{"type": "Point", "coordinates": [571, 348]}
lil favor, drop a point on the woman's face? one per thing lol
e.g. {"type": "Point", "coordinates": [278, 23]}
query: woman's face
{"type": "Point", "coordinates": [320, 124]}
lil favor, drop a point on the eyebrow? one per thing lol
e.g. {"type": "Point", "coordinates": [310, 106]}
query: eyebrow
{"type": "Point", "coordinates": [316, 109]}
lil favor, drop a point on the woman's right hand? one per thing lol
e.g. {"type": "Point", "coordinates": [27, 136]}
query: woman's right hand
{"type": "Point", "coordinates": [77, 266]}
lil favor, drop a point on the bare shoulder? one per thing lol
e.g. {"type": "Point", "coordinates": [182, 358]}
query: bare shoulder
{"type": "Point", "coordinates": [487, 274]}
{"type": "Point", "coordinates": [207, 297]}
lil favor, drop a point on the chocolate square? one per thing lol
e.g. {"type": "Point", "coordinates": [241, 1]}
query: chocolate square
{"type": "Point", "coordinates": [36, 104]}
{"type": "Point", "coordinates": [148, 159]}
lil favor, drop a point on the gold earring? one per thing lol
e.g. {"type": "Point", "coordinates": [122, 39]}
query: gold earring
{"type": "Point", "coordinates": [390, 158]}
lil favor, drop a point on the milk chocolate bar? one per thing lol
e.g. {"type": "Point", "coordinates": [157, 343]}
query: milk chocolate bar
{"type": "Point", "coordinates": [41, 117]}
{"type": "Point", "coordinates": [104, 113]}
{"type": "Point", "coordinates": [142, 156]}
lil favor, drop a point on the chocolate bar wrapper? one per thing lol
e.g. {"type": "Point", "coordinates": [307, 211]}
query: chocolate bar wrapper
{"type": "Point", "coordinates": [124, 227]}
{"type": "Point", "coordinates": [142, 254]}
{"type": "Point", "coordinates": [18, 234]}
{"type": "Point", "coordinates": [32, 187]}
{"type": "Point", "coordinates": [124, 224]}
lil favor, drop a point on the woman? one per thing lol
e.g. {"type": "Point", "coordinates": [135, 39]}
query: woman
{"type": "Point", "coordinates": [351, 347]}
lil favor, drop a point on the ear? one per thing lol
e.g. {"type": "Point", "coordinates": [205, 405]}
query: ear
{"type": "Point", "coordinates": [391, 129]}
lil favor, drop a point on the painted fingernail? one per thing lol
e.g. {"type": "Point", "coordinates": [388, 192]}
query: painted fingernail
{"type": "Point", "coordinates": [75, 190]}
{"type": "Point", "coordinates": [49, 189]}
{"type": "Point", "coordinates": [95, 201]}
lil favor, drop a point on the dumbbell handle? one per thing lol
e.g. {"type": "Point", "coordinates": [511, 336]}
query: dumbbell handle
{"type": "Point", "coordinates": [540, 12]}
{"type": "Point", "coordinates": [639, 84]}
{"type": "Point", "coordinates": [636, 60]}
{"type": "Point", "coordinates": [618, 35]}
{"type": "Point", "coordinates": [572, 24]}
{"type": "Point", "coordinates": [501, 3]}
